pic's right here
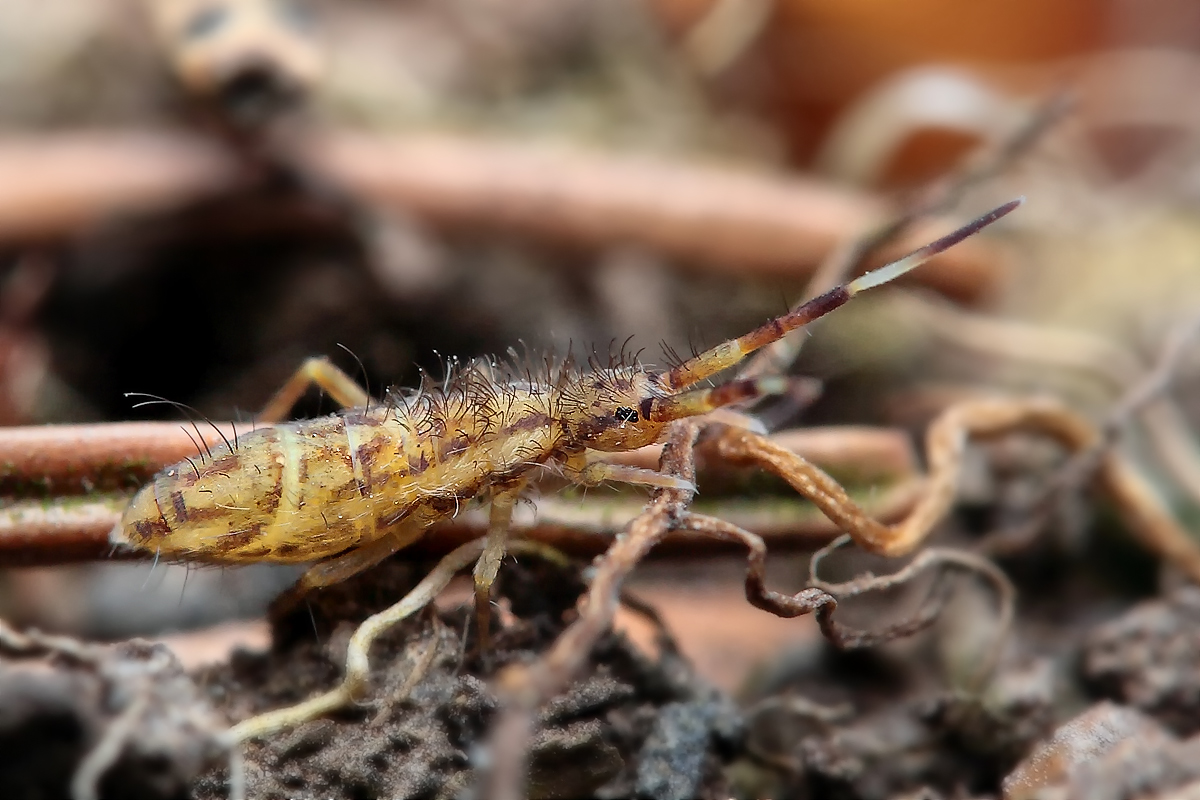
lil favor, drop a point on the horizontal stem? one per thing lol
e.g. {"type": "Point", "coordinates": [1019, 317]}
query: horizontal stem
{"type": "Point", "coordinates": [731, 221]}
{"type": "Point", "coordinates": [64, 487]}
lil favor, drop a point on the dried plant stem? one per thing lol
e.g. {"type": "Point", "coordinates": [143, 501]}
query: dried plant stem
{"type": "Point", "coordinates": [1085, 463]}
{"type": "Point", "coordinates": [523, 689]}
{"type": "Point", "coordinates": [1110, 364]}
{"type": "Point", "coordinates": [815, 598]}
{"type": "Point", "coordinates": [705, 215]}
{"type": "Point", "coordinates": [72, 459]}
{"type": "Point", "coordinates": [1006, 593]}
{"type": "Point", "coordinates": [1140, 508]}
{"type": "Point", "coordinates": [57, 513]}
{"type": "Point", "coordinates": [724, 219]}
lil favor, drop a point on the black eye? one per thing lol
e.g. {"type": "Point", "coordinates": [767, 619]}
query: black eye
{"type": "Point", "coordinates": [625, 414]}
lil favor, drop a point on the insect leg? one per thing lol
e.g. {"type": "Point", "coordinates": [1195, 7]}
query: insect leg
{"type": "Point", "coordinates": [321, 372]}
{"type": "Point", "coordinates": [347, 565]}
{"type": "Point", "coordinates": [489, 562]}
{"type": "Point", "coordinates": [586, 472]}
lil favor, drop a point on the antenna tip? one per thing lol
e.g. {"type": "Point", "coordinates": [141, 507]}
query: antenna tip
{"type": "Point", "coordinates": [998, 212]}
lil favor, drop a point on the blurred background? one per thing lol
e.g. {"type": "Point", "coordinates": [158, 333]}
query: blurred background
{"type": "Point", "coordinates": [195, 195]}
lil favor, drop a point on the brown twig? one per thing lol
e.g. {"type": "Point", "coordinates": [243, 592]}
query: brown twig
{"type": "Point", "coordinates": [49, 460]}
{"type": "Point", "coordinates": [727, 220]}
{"type": "Point", "coordinates": [64, 487]}
{"type": "Point", "coordinates": [523, 689]}
{"type": "Point", "coordinates": [68, 530]}
{"type": "Point", "coordinates": [1139, 507]}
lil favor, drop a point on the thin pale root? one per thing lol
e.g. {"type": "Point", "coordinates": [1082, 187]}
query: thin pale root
{"type": "Point", "coordinates": [93, 766]}
{"type": "Point", "coordinates": [357, 674]}
{"type": "Point", "coordinates": [354, 681]}
{"type": "Point", "coordinates": [85, 783]}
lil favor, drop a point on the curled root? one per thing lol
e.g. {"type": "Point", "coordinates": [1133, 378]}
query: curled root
{"type": "Point", "coordinates": [812, 600]}
{"type": "Point", "coordinates": [1006, 593]}
{"type": "Point", "coordinates": [1142, 511]}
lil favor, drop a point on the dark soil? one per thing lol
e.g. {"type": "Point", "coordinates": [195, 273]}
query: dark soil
{"type": "Point", "coordinates": [632, 726]}
{"type": "Point", "coordinates": [1096, 695]}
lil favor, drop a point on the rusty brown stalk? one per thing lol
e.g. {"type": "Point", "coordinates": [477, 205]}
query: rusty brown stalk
{"type": "Point", "coordinates": [524, 688]}
{"type": "Point", "coordinates": [724, 219]}
{"type": "Point", "coordinates": [62, 489]}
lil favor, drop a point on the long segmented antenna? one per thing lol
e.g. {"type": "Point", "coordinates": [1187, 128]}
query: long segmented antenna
{"type": "Point", "coordinates": [727, 354]}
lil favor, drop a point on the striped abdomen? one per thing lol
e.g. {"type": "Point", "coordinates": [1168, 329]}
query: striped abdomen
{"type": "Point", "coordinates": [304, 491]}
{"type": "Point", "coordinates": [292, 492]}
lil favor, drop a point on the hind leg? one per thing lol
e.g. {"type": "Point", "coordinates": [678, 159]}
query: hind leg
{"type": "Point", "coordinates": [347, 565]}
{"type": "Point", "coordinates": [319, 372]}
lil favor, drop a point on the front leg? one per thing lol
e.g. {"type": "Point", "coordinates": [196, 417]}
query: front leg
{"type": "Point", "coordinates": [586, 469]}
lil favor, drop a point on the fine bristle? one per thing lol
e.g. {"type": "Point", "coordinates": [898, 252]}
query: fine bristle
{"type": "Point", "coordinates": [481, 394]}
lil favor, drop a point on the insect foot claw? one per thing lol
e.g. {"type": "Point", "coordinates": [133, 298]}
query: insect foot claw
{"type": "Point", "coordinates": [673, 482]}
